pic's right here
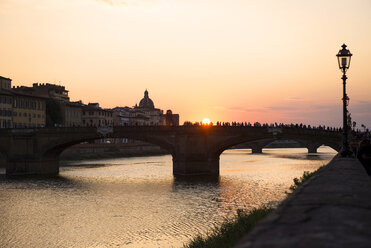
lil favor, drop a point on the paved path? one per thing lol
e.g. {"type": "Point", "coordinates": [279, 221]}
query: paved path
{"type": "Point", "coordinates": [332, 209]}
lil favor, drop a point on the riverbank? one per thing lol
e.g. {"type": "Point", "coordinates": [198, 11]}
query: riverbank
{"type": "Point", "coordinates": [331, 210]}
{"type": "Point", "coordinates": [230, 232]}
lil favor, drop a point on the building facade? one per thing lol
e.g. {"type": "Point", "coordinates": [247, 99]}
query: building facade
{"type": "Point", "coordinates": [122, 116]}
{"type": "Point", "coordinates": [95, 116]}
{"type": "Point", "coordinates": [28, 111]}
{"type": "Point", "coordinates": [71, 114]}
{"type": "Point", "coordinates": [5, 83]}
{"type": "Point", "coordinates": [6, 109]}
{"type": "Point", "coordinates": [6, 103]}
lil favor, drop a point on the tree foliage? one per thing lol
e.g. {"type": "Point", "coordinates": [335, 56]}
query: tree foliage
{"type": "Point", "coordinates": [53, 113]}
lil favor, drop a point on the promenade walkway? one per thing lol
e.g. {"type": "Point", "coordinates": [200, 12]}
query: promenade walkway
{"type": "Point", "coordinates": [332, 209]}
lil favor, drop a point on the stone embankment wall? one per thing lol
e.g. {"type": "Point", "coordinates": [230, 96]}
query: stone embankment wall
{"type": "Point", "coordinates": [332, 209]}
{"type": "Point", "coordinates": [91, 151]}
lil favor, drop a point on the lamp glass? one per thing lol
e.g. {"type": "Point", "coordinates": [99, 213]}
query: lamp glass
{"type": "Point", "coordinates": [344, 57]}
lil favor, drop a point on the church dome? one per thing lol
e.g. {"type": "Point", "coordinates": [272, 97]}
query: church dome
{"type": "Point", "coordinates": [146, 102]}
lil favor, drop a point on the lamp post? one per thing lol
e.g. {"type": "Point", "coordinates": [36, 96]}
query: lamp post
{"type": "Point", "coordinates": [344, 57]}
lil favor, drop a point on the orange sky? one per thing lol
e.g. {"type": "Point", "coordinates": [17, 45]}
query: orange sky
{"type": "Point", "coordinates": [228, 60]}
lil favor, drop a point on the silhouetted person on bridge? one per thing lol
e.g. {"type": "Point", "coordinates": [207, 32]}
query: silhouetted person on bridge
{"type": "Point", "coordinates": [364, 154]}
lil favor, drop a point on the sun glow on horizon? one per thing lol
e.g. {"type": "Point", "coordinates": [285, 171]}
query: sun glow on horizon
{"type": "Point", "coordinates": [206, 121]}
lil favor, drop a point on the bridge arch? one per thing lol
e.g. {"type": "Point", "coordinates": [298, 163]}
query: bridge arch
{"type": "Point", "coordinates": [54, 151]}
{"type": "Point", "coordinates": [258, 144]}
{"type": "Point", "coordinates": [252, 144]}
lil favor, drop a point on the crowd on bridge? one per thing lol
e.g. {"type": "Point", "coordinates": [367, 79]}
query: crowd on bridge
{"type": "Point", "coordinates": [277, 125]}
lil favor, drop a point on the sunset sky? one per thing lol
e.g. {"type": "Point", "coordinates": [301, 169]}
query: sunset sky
{"type": "Point", "coordinates": [227, 60]}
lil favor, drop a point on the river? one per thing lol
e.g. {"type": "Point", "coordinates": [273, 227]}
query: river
{"type": "Point", "coordinates": [136, 202]}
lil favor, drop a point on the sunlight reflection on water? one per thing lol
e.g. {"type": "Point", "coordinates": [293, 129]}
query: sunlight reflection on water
{"type": "Point", "coordinates": [136, 202]}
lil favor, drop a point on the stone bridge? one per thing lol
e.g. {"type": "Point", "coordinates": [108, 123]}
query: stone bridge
{"type": "Point", "coordinates": [195, 150]}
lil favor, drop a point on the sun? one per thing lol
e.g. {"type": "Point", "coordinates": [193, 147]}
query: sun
{"type": "Point", "coordinates": [206, 121]}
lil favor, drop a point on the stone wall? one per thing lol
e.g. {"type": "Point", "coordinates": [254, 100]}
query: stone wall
{"type": "Point", "coordinates": [332, 209]}
{"type": "Point", "coordinates": [91, 151]}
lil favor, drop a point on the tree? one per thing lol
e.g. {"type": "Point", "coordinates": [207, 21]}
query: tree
{"type": "Point", "coordinates": [53, 113]}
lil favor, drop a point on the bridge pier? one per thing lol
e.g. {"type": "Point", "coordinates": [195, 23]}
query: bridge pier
{"type": "Point", "coordinates": [195, 165]}
{"type": "Point", "coordinates": [312, 148]}
{"type": "Point", "coordinates": [32, 166]}
{"type": "Point", "coordinates": [257, 149]}
{"type": "Point", "coordinates": [257, 146]}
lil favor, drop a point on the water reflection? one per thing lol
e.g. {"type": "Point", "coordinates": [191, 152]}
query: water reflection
{"type": "Point", "coordinates": [38, 182]}
{"type": "Point", "coordinates": [196, 180]}
{"type": "Point", "coordinates": [136, 202]}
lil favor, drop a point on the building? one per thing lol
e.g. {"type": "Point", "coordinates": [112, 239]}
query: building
{"type": "Point", "coordinates": [28, 111]}
{"type": "Point", "coordinates": [171, 119]}
{"type": "Point", "coordinates": [122, 116]}
{"type": "Point", "coordinates": [5, 83]}
{"type": "Point", "coordinates": [95, 116]}
{"type": "Point", "coordinates": [52, 91]}
{"type": "Point", "coordinates": [6, 109]}
{"type": "Point", "coordinates": [6, 103]}
{"type": "Point", "coordinates": [20, 109]}
{"type": "Point", "coordinates": [67, 114]}
{"type": "Point", "coordinates": [71, 114]}
{"type": "Point", "coordinates": [144, 115]}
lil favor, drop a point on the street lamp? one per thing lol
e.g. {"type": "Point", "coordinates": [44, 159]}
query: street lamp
{"type": "Point", "coordinates": [344, 57]}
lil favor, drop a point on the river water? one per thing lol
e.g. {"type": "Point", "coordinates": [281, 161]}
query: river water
{"type": "Point", "coordinates": [136, 202]}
